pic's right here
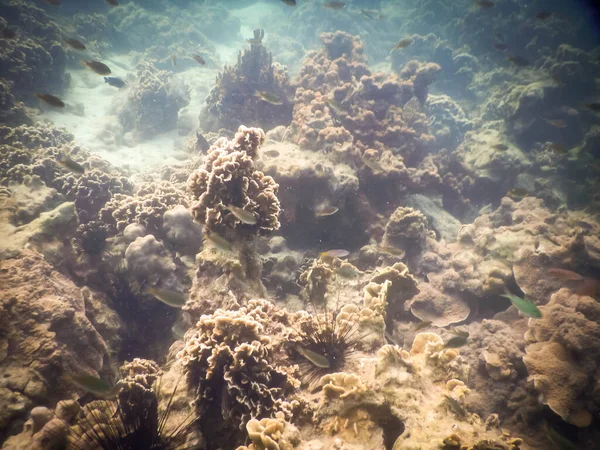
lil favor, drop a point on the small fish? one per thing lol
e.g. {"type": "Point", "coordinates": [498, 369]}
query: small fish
{"type": "Point", "coordinates": [459, 332]}
{"type": "Point", "coordinates": [94, 385]}
{"type": "Point", "coordinates": [9, 33]}
{"type": "Point", "coordinates": [543, 15]}
{"type": "Point", "coordinates": [501, 147]}
{"type": "Point", "coordinates": [486, 209]}
{"type": "Point", "coordinates": [372, 14]}
{"type": "Point", "coordinates": [313, 357]}
{"type": "Point", "coordinates": [167, 296]}
{"type": "Point", "coordinates": [271, 153]}
{"type": "Point", "coordinates": [335, 5]}
{"type": "Point", "coordinates": [219, 242]}
{"type": "Point", "coordinates": [98, 67]}
{"type": "Point", "coordinates": [66, 162]}
{"type": "Point", "coordinates": [174, 60]}
{"type": "Point", "coordinates": [347, 271]}
{"type": "Point", "coordinates": [199, 59]}
{"type": "Point", "coordinates": [335, 106]}
{"type": "Point", "coordinates": [115, 82]}
{"type": "Point", "coordinates": [179, 330]}
{"type": "Point", "coordinates": [391, 250]}
{"type": "Point", "coordinates": [484, 4]}
{"type": "Point", "coordinates": [325, 211]}
{"type": "Point", "coordinates": [457, 341]}
{"type": "Point", "coordinates": [403, 43]}
{"type": "Point", "coordinates": [518, 61]}
{"type": "Point", "coordinates": [525, 306]}
{"type": "Point", "coordinates": [53, 2]}
{"type": "Point", "coordinates": [593, 106]}
{"type": "Point", "coordinates": [268, 97]}
{"type": "Point", "coordinates": [421, 325]}
{"type": "Point", "coordinates": [455, 405]}
{"type": "Point", "coordinates": [335, 253]}
{"type": "Point", "coordinates": [372, 164]}
{"type": "Point", "coordinates": [201, 143]}
{"type": "Point", "coordinates": [289, 2]}
{"type": "Point", "coordinates": [51, 100]}
{"type": "Point", "coordinates": [556, 123]}
{"type": "Point", "coordinates": [74, 43]}
{"type": "Point", "coordinates": [566, 275]}
{"type": "Point", "coordinates": [518, 193]}
{"type": "Point", "coordinates": [500, 46]}
{"type": "Point", "coordinates": [112, 2]}
{"type": "Point", "coordinates": [244, 216]}
{"type": "Point", "coordinates": [569, 111]}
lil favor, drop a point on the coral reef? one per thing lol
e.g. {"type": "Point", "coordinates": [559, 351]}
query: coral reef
{"type": "Point", "coordinates": [228, 361]}
{"type": "Point", "coordinates": [152, 103]}
{"type": "Point", "coordinates": [236, 98]}
{"type": "Point", "coordinates": [562, 355]}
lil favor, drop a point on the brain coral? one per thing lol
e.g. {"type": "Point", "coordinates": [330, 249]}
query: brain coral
{"type": "Point", "coordinates": [229, 177]}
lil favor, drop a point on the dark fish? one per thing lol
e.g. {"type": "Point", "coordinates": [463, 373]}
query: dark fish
{"type": "Point", "coordinates": [51, 100]}
{"type": "Point", "coordinates": [566, 275]}
{"type": "Point", "coordinates": [219, 242]}
{"type": "Point", "coordinates": [391, 250]}
{"type": "Point", "coordinates": [560, 442]}
{"type": "Point", "coordinates": [556, 123]}
{"type": "Point", "coordinates": [201, 143]}
{"type": "Point", "coordinates": [8, 33]}
{"type": "Point", "coordinates": [593, 106]}
{"type": "Point", "coordinates": [313, 357]}
{"type": "Point", "coordinates": [559, 149]}
{"type": "Point", "coordinates": [500, 46]}
{"type": "Point", "coordinates": [421, 325]}
{"type": "Point", "coordinates": [525, 306]}
{"type": "Point", "coordinates": [167, 296]}
{"type": "Point", "coordinates": [543, 15]}
{"type": "Point", "coordinates": [115, 82]}
{"type": "Point", "coordinates": [485, 4]}
{"type": "Point", "coordinates": [518, 193]}
{"type": "Point", "coordinates": [335, 106]}
{"type": "Point", "coordinates": [455, 405]}
{"type": "Point", "coordinates": [271, 153]}
{"type": "Point", "coordinates": [457, 341]}
{"type": "Point", "coordinates": [268, 97]}
{"type": "Point", "coordinates": [289, 2]}
{"type": "Point", "coordinates": [174, 60]}
{"type": "Point", "coordinates": [403, 43]}
{"type": "Point", "coordinates": [459, 332]}
{"type": "Point", "coordinates": [199, 59]}
{"type": "Point", "coordinates": [501, 147]}
{"type": "Point", "coordinates": [347, 270]}
{"type": "Point", "coordinates": [74, 43]}
{"type": "Point", "coordinates": [98, 67]}
{"type": "Point", "coordinates": [584, 225]}
{"type": "Point", "coordinates": [112, 2]}
{"type": "Point", "coordinates": [53, 2]}
{"type": "Point", "coordinates": [334, 5]}
{"type": "Point", "coordinates": [335, 253]}
{"type": "Point", "coordinates": [518, 61]}
{"type": "Point", "coordinates": [66, 162]}
{"type": "Point", "coordinates": [94, 385]}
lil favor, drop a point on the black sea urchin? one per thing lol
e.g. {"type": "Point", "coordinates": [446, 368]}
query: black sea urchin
{"type": "Point", "coordinates": [132, 422]}
{"type": "Point", "coordinates": [325, 342]}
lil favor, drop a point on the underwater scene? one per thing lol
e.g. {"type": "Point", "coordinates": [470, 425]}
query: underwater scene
{"type": "Point", "coordinates": [299, 225]}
